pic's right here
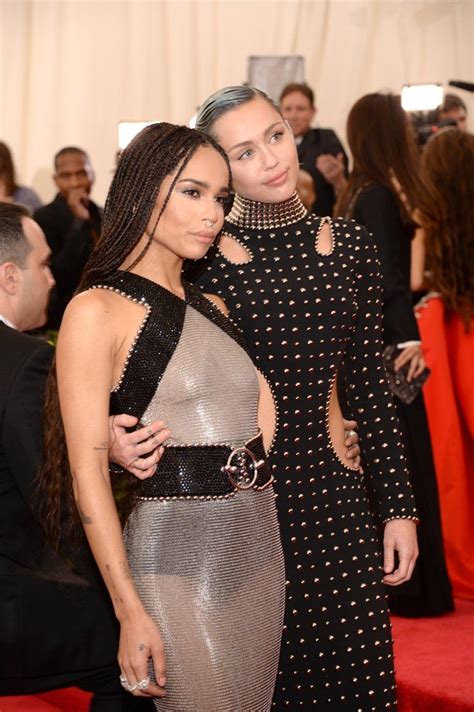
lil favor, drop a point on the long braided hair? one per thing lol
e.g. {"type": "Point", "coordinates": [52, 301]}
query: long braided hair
{"type": "Point", "coordinates": [447, 217]}
{"type": "Point", "coordinates": [156, 152]}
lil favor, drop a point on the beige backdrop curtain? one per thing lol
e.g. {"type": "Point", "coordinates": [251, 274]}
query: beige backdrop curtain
{"type": "Point", "coordinates": [70, 70]}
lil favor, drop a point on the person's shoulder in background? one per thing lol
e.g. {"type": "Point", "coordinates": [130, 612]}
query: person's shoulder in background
{"type": "Point", "coordinates": [28, 197]}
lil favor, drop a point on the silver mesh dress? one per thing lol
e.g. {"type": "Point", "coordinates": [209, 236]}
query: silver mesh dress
{"type": "Point", "coordinates": [205, 554]}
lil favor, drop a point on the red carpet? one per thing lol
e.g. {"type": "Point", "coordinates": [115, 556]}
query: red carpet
{"type": "Point", "coordinates": [434, 660]}
{"type": "Point", "coordinates": [68, 700]}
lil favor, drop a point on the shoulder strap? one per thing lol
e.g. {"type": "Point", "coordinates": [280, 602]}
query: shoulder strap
{"type": "Point", "coordinates": [154, 344]}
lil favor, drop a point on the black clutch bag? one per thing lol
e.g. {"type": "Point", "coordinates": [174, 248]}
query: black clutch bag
{"type": "Point", "coordinates": [397, 380]}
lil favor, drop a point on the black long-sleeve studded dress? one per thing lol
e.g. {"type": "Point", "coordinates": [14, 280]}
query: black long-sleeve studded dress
{"type": "Point", "coordinates": [302, 313]}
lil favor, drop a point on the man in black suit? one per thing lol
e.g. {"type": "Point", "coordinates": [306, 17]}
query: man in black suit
{"type": "Point", "coordinates": [72, 224]}
{"type": "Point", "coordinates": [320, 152]}
{"type": "Point", "coordinates": [56, 628]}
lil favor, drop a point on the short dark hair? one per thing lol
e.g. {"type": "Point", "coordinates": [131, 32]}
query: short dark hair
{"type": "Point", "coordinates": [66, 151]}
{"type": "Point", "coordinates": [14, 246]}
{"type": "Point", "coordinates": [302, 88]}
{"type": "Point", "coordinates": [452, 101]}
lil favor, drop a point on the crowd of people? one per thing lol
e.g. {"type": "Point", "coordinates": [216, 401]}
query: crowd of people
{"type": "Point", "coordinates": [247, 447]}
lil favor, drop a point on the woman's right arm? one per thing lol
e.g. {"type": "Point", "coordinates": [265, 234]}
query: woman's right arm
{"type": "Point", "coordinates": [85, 359]}
{"type": "Point", "coordinates": [417, 274]}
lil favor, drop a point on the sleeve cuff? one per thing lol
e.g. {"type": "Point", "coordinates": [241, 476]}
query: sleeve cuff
{"type": "Point", "coordinates": [401, 516]}
{"type": "Point", "coordinates": [405, 344]}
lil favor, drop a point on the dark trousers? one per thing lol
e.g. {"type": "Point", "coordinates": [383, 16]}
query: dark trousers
{"type": "Point", "coordinates": [109, 696]}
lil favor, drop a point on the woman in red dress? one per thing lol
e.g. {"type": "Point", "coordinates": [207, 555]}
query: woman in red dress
{"type": "Point", "coordinates": [446, 322]}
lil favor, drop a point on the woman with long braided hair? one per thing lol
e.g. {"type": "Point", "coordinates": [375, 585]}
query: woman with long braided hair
{"type": "Point", "coordinates": [197, 580]}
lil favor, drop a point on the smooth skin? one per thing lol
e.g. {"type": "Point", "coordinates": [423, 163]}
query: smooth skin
{"type": "Point", "coordinates": [97, 330]}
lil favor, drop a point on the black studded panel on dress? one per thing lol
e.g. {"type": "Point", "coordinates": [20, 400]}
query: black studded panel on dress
{"type": "Point", "coordinates": [302, 313]}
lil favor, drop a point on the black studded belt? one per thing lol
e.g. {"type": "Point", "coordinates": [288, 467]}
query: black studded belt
{"type": "Point", "coordinates": [208, 471]}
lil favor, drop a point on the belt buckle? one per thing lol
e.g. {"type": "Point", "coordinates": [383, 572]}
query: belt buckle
{"type": "Point", "coordinates": [239, 475]}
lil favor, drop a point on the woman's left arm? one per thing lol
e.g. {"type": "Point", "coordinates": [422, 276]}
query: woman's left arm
{"type": "Point", "coordinates": [374, 408]}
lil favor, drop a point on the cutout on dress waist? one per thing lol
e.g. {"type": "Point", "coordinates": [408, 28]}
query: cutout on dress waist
{"type": "Point", "coordinates": [267, 411]}
{"type": "Point", "coordinates": [335, 427]}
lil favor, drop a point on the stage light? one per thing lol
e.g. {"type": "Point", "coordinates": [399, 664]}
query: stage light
{"type": "Point", "coordinates": [422, 97]}
{"type": "Point", "coordinates": [127, 130]}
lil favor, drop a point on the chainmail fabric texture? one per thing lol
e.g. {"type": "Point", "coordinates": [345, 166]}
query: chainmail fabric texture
{"type": "Point", "coordinates": [209, 571]}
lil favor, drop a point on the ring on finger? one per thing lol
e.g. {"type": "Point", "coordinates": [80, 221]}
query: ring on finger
{"type": "Point", "coordinates": [143, 684]}
{"type": "Point", "coordinates": [126, 684]}
{"type": "Point", "coordinates": [350, 433]}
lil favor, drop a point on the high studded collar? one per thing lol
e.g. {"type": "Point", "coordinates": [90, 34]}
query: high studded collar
{"type": "Point", "coordinates": [260, 216]}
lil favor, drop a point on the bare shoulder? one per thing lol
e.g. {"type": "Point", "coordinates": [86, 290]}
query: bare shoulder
{"type": "Point", "coordinates": [89, 319]}
{"type": "Point", "coordinates": [219, 303]}
{"type": "Point", "coordinates": [92, 305]}
{"type": "Point", "coordinates": [87, 308]}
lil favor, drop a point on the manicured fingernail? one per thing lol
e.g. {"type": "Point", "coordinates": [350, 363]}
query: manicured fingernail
{"type": "Point", "coordinates": [162, 681]}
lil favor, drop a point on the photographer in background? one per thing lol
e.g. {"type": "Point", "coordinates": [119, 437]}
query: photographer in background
{"type": "Point", "coordinates": [453, 109]}
{"type": "Point", "coordinates": [72, 224]}
{"type": "Point", "coordinates": [451, 113]}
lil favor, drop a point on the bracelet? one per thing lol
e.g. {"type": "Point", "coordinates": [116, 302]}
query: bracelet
{"type": "Point", "coordinates": [116, 469]}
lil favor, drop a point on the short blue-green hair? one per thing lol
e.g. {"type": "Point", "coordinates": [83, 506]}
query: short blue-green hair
{"type": "Point", "coordinates": [225, 100]}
